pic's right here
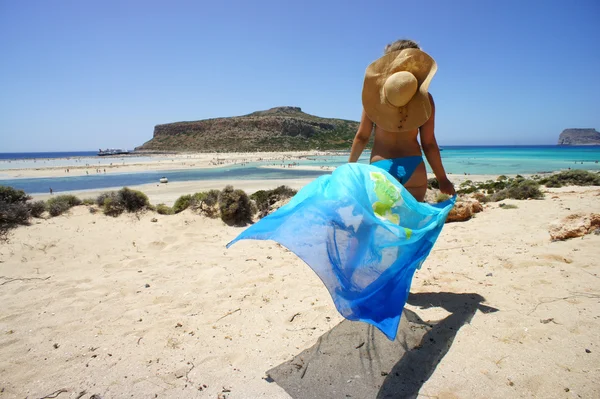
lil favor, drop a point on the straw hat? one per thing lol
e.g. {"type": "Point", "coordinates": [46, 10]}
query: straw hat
{"type": "Point", "coordinates": [395, 93]}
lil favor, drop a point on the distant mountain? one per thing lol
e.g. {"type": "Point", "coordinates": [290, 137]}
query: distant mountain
{"type": "Point", "coordinates": [276, 129]}
{"type": "Point", "coordinates": [579, 137]}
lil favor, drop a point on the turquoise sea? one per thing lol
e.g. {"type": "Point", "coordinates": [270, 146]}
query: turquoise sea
{"type": "Point", "coordinates": [475, 160]}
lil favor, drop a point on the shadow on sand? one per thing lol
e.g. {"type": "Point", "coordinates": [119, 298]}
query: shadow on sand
{"type": "Point", "coordinates": [355, 360]}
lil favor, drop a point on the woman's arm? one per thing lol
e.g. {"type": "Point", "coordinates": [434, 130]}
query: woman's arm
{"type": "Point", "coordinates": [362, 137]}
{"type": "Point", "coordinates": [432, 152]}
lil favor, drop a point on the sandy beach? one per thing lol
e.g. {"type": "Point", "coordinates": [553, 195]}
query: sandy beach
{"type": "Point", "coordinates": [127, 307]}
{"type": "Point", "coordinates": [152, 162]}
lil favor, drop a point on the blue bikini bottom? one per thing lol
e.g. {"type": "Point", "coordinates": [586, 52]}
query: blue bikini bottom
{"type": "Point", "coordinates": [401, 168]}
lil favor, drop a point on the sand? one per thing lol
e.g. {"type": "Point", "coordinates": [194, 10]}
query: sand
{"type": "Point", "coordinates": [155, 162]}
{"type": "Point", "coordinates": [126, 307]}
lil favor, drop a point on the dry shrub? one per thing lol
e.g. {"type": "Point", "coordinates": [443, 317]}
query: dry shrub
{"type": "Point", "coordinates": [37, 208]}
{"type": "Point", "coordinates": [61, 203]}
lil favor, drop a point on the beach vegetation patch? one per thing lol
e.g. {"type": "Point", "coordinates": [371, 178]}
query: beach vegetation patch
{"type": "Point", "coordinates": [16, 210]}
{"type": "Point", "coordinates": [11, 216]}
{"type": "Point", "coordinates": [37, 208]}
{"type": "Point", "coordinates": [132, 200]}
{"type": "Point", "coordinates": [11, 195]}
{"type": "Point", "coordinates": [114, 203]}
{"type": "Point", "coordinates": [481, 197]}
{"type": "Point", "coordinates": [433, 183]}
{"type": "Point", "coordinates": [88, 201]}
{"type": "Point", "coordinates": [265, 199]}
{"type": "Point", "coordinates": [575, 177]}
{"type": "Point", "coordinates": [205, 202]}
{"type": "Point", "coordinates": [182, 203]}
{"type": "Point", "coordinates": [113, 207]}
{"type": "Point", "coordinates": [441, 197]}
{"type": "Point", "coordinates": [235, 206]}
{"type": "Point", "coordinates": [500, 189]}
{"type": "Point", "coordinates": [61, 203]}
{"type": "Point", "coordinates": [163, 209]}
{"type": "Point", "coordinates": [100, 198]}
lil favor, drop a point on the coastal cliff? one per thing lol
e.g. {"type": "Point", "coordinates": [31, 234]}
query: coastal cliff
{"type": "Point", "coordinates": [276, 129]}
{"type": "Point", "coordinates": [579, 137]}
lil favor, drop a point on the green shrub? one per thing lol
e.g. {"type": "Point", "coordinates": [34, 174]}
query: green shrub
{"type": "Point", "coordinates": [433, 183]}
{"type": "Point", "coordinates": [261, 201]}
{"type": "Point", "coordinates": [199, 197]}
{"type": "Point", "coordinates": [500, 195]}
{"type": "Point", "coordinates": [132, 200]}
{"type": "Point", "coordinates": [12, 215]}
{"type": "Point", "coordinates": [234, 206]}
{"type": "Point", "coordinates": [441, 197]}
{"type": "Point", "coordinates": [11, 195]}
{"type": "Point", "coordinates": [37, 208]}
{"type": "Point", "coordinates": [524, 189]}
{"type": "Point", "coordinates": [113, 207]}
{"type": "Point", "coordinates": [14, 209]}
{"type": "Point", "coordinates": [88, 201]}
{"type": "Point", "coordinates": [482, 197]}
{"type": "Point", "coordinates": [508, 206]}
{"type": "Point", "coordinates": [182, 203]}
{"type": "Point", "coordinates": [163, 209]}
{"type": "Point", "coordinates": [212, 197]}
{"type": "Point", "coordinates": [284, 192]}
{"type": "Point", "coordinates": [205, 202]}
{"type": "Point", "coordinates": [265, 198]}
{"type": "Point", "coordinates": [575, 177]}
{"type": "Point", "coordinates": [466, 187]}
{"type": "Point", "coordinates": [108, 194]}
{"type": "Point", "coordinates": [61, 203]}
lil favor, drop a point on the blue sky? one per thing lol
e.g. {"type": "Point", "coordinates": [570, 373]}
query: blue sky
{"type": "Point", "coordinates": [80, 75]}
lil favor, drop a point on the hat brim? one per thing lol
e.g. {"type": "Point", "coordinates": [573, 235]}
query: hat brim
{"type": "Point", "coordinates": [418, 110]}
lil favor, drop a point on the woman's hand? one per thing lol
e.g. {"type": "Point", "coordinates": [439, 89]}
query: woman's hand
{"type": "Point", "coordinates": [446, 186]}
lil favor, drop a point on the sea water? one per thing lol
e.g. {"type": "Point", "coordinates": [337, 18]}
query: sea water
{"type": "Point", "coordinates": [481, 160]}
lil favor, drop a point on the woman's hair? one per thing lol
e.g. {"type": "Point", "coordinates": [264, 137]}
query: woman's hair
{"type": "Point", "coordinates": [400, 45]}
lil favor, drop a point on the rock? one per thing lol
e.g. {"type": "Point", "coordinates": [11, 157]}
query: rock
{"type": "Point", "coordinates": [462, 211]}
{"type": "Point", "coordinates": [575, 225]}
{"type": "Point", "coordinates": [579, 137]}
{"type": "Point", "coordinates": [154, 220]}
{"type": "Point", "coordinates": [476, 206]}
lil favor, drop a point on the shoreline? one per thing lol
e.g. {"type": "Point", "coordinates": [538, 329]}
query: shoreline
{"type": "Point", "coordinates": [187, 161]}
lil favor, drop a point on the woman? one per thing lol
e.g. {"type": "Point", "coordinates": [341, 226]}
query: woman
{"type": "Point", "coordinates": [361, 232]}
{"type": "Point", "coordinates": [396, 102]}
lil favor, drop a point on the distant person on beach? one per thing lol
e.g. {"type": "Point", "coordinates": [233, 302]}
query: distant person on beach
{"type": "Point", "coordinates": [51, 192]}
{"type": "Point", "coordinates": [398, 107]}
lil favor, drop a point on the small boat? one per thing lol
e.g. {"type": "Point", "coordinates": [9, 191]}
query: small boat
{"type": "Point", "coordinates": [164, 180]}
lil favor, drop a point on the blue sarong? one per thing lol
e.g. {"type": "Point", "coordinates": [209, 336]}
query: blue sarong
{"type": "Point", "coordinates": [363, 234]}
